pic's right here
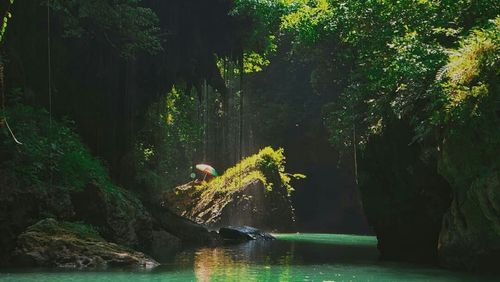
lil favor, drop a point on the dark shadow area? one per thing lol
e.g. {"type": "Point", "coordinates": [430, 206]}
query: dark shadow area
{"type": "Point", "coordinates": [283, 110]}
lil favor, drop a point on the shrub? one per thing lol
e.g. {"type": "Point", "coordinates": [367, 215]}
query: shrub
{"type": "Point", "coordinates": [51, 153]}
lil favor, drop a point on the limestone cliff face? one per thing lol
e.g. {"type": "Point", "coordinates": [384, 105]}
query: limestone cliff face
{"type": "Point", "coordinates": [404, 198]}
{"type": "Point", "coordinates": [470, 235]}
{"type": "Point", "coordinates": [447, 213]}
{"type": "Point", "coordinates": [251, 204]}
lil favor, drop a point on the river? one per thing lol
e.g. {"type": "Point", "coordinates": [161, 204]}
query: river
{"type": "Point", "coordinates": [293, 257]}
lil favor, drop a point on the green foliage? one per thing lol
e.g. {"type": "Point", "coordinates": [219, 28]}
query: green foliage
{"type": "Point", "coordinates": [267, 166]}
{"type": "Point", "coordinates": [383, 55]}
{"type": "Point", "coordinates": [430, 64]}
{"type": "Point", "coordinates": [167, 145]}
{"type": "Point", "coordinates": [124, 24]}
{"type": "Point", "coordinates": [254, 62]}
{"type": "Point", "coordinates": [309, 20]}
{"type": "Point", "coordinates": [51, 154]}
{"type": "Point", "coordinates": [472, 70]}
{"type": "Point", "coordinates": [465, 92]}
{"type": "Point", "coordinates": [262, 18]}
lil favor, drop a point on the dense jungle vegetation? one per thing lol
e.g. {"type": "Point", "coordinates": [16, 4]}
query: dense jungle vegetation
{"type": "Point", "coordinates": [131, 94]}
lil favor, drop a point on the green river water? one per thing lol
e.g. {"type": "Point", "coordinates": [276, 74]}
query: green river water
{"type": "Point", "coordinates": [293, 257]}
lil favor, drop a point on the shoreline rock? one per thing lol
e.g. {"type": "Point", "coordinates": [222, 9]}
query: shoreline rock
{"type": "Point", "coordinates": [50, 243]}
{"type": "Point", "coordinates": [118, 215]}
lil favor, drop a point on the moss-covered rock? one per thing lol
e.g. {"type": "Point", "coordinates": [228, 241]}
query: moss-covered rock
{"type": "Point", "coordinates": [50, 243]}
{"type": "Point", "coordinates": [254, 192]}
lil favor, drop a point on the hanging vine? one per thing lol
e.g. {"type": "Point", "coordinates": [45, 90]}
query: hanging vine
{"type": "Point", "coordinates": [5, 20]}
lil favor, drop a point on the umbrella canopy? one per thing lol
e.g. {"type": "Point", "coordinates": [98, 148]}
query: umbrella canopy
{"type": "Point", "coordinates": [207, 169]}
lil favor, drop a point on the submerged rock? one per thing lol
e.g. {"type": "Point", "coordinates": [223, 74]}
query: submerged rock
{"type": "Point", "coordinates": [244, 233]}
{"type": "Point", "coordinates": [50, 243]}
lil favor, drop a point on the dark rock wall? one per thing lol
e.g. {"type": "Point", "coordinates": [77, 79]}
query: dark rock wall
{"type": "Point", "coordinates": [404, 197]}
{"type": "Point", "coordinates": [470, 160]}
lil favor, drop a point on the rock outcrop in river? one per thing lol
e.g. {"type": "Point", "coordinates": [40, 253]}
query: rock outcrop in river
{"type": "Point", "coordinates": [255, 192]}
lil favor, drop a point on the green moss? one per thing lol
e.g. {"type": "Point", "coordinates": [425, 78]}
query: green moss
{"type": "Point", "coordinates": [78, 230]}
{"type": "Point", "coordinates": [267, 166]}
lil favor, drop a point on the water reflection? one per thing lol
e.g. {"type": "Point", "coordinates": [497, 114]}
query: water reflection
{"type": "Point", "coordinates": [233, 262]}
{"type": "Point", "coordinates": [308, 257]}
{"type": "Point", "coordinates": [271, 261]}
{"type": "Point", "coordinates": [295, 257]}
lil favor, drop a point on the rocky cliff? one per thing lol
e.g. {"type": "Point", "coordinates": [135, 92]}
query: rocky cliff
{"type": "Point", "coordinates": [470, 161]}
{"type": "Point", "coordinates": [442, 211]}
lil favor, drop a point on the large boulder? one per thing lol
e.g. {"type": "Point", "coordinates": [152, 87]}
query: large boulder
{"type": "Point", "coordinates": [21, 207]}
{"type": "Point", "coordinates": [255, 192]}
{"type": "Point", "coordinates": [251, 204]}
{"type": "Point", "coordinates": [189, 231]}
{"type": "Point", "coordinates": [119, 216]}
{"type": "Point", "coordinates": [50, 243]}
